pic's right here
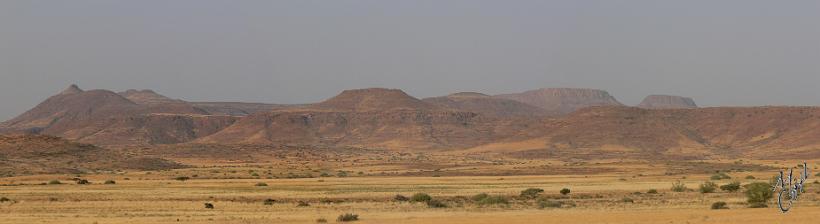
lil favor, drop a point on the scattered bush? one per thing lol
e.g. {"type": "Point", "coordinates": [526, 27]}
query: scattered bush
{"type": "Point", "coordinates": [110, 182]}
{"type": "Point", "coordinates": [678, 187]}
{"type": "Point", "coordinates": [479, 197]}
{"type": "Point", "coordinates": [261, 184]}
{"type": "Point", "coordinates": [209, 206]}
{"type": "Point", "coordinates": [420, 197]}
{"type": "Point", "coordinates": [321, 220]}
{"type": "Point", "coordinates": [348, 217]}
{"type": "Point", "coordinates": [719, 205]}
{"type": "Point", "coordinates": [531, 192]}
{"type": "Point", "coordinates": [399, 197]}
{"type": "Point", "coordinates": [302, 204]}
{"type": "Point", "coordinates": [549, 204]}
{"type": "Point", "coordinates": [750, 177]}
{"type": "Point", "coordinates": [436, 204]}
{"type": "Point", "coordinates": [708, 187]}
{"type": "Point", "coordinates": [720, 176]}
{"type": "Point", "coordinates": [652, 191]}
{"type": "Point", "coordinates": [493, 200]}
{"type": "Point", "coordinates": [4, 199]}
{"type": "Point", "coordinates": [55, 182]}
{"type": "Point", "coordinates": [627, 200]}
{"type": "Point", "coordinates": [83, 181]}
{"type": "Point", "coordinates": [731, 187]}
{"type": "Point", "coordinates": [564, 191]}
{"type": "Point", "coordinates": [182, 178]}
{"type": "Point", "coordinates": [758, 193]}
{"type": "Point", "coordinates": [269, 201]}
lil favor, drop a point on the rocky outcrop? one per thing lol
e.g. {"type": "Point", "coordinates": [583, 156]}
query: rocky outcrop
{"type": "Point", "coordinates": [373, 99]}
{"type": "Point", "coordinates": [563, 100]}
{"type": "Point", "coordinates": [238, 108]}
{"type": "Point", "coordinates": [667, 102]}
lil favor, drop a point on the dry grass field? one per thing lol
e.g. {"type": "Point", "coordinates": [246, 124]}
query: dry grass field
{"type": "Point", "coordinates": [601, 192]}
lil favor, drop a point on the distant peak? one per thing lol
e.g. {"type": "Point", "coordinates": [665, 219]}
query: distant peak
{"type": "Point", "coordinates": [667, 102]}
{"type": "Point", "coordinates": [72, 89]}
{"type": "Point", "coordinates": [373, 99]}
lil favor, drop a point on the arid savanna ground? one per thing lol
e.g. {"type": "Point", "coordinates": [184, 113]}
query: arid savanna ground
{"type": "Point", "coordinates": [309, 190]}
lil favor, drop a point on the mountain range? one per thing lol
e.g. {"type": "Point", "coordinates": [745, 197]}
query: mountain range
{"type": "Point", "coordinates": [546, 122]}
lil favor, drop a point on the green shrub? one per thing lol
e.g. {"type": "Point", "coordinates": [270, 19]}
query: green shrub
{"type": "Point", "coordinates": [652, 191]}
{"type": "Point", "coordinates": [720, 176]}
{"type": "Point", "coordinates": [110, 182]}
{"type": "Point", "coordinates": [627, 200]}
{"type": "Point", "coordinates": [261, 184]}
{"type": "Point", "coordinates": [564, 191]}
{"type": "Point", "coordinates": [493, 200]}
{"type": "Point", "coordinates": [420, 197]}
{"type": "Point", "coordinates": [750, 177]}
{"type": "Point", "coordinates": [758, 193]}
{"type": "Point", "coordinates": [531, 192]}
{"type": "Point", "coordinates": [549, 204]}
{"type": "Point", "coordinates": [479, 197]}
{"type": "Point", "coordinates": [436, 204]}
{"type": "Point", "coordinates": [719, 205]}
{"type": "Point", "coordinates": [731, 187]}
{"type": "Point", "coordinates": [182, 178]}
{"type": "Point", "coordinates": [708, 187]}
{"type": "Point", "coordinates": [55, 182]}
{"type": "Point", "coordinates": [678, 187]}
{"type": "Point", "coordinates": [302, 204]}
{"type": "Point", "coordinates": [348, 217]}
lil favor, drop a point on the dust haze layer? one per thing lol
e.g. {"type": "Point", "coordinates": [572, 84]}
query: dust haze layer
{"type": "Point", "coordinates": [724, 53]}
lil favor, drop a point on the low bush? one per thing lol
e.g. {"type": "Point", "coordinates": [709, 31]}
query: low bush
{"type": "Point", "coordinates": [627, 200]}
{"type": "Point", "coordinates": [731, 187]}
{"type": "Point", "coordinates": [479, 197]}
{"type": "Point", "coordinates": [420, 197]}
{"type": "Point", "coordinates": [55, 182]}
{"type": "Point", "coordinates": [302, 204]}
{"type": "Point", "coordinates": [708, 187]}
{"type": "Point", "coordinates": [269, 201]}
{"type": "Point", "coordinates": [564, 191]}
{"type": "Point", "coordinates": [720, 176]}
{"type": "Point", "coordinates": [652, 191]}
{"type": "Point", "coordinates": [321, 220]}
{"type": "Point", "coordinates": [436, 204]}
{"type": "Point", "coordinates": [4, 199]}
{"type": "Point", "coordinates": [750, 177]}
{"type": "Point", "coordinates": [261, 184]}
{"type": "Point", "coordinates": [348, 217]}
{"type": "Point", "coordinates": [531, 192]}
{"type": "Point", "coordinates": [719, 205]}
{"type": "Point", "coordinates": [758, 193]}
{"type": "Point", "coordinates": [399, 197]}
{"type": "Point", "coordinates": [182, 178]}
{"type": "Point", "coordinates": [110, 182]}
{"type": "Point", "coordinates": [678, 187]}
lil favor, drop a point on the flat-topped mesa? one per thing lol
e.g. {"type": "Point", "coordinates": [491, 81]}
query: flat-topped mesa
{"type": "Point", "coordinates": [147, 97]}
{"type": "Point", "coordinates": [667, 102]}
{"type": "Point", "coordinates": [373, 99]}
{"type": "Point", "coordinates": [72, 89]}
{"type": "Point", "coordinates": [564, 100]}
{"type": "Point", "coordinates": [485, 104]}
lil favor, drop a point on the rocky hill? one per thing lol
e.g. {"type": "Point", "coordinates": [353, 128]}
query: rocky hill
{"type": "Point", "coordinates": [37, 154]}
{"type": "Point", "coordinates": [487, 105]}
{"type": "Point", "coordinates": [667, 102]}
{"type": "Point", "coordinates": [107, 118]}
{"type": "Point", "coordinates": [368, 117]}
{"type": "Point", "coordinates": [147, 97]}
{"type": "Point", "coordinates": [563, 100]}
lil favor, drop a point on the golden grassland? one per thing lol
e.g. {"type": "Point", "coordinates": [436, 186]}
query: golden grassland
{"type": "Point", "coordinates": [369, 190]}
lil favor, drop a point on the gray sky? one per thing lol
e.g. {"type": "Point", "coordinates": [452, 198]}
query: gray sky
{"type": "Point", "coordinates": [720, 52]}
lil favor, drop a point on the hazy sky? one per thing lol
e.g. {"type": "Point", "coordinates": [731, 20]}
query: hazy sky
{"type": "Point", "coordinates": [719, 52]}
